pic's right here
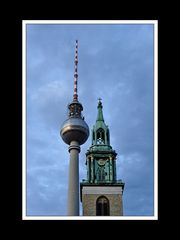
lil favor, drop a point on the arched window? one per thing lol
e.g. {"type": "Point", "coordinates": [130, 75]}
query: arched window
{"type": "Point", "coordinates": [102, 206]}
{"type": "Point", "coordinates": [100, 136]}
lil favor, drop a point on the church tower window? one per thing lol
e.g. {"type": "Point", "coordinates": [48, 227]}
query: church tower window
{"type": "Point", "coordinates": [102, 206]}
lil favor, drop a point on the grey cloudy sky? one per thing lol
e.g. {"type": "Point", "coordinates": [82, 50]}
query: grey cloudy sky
{"type": "Point", "coordinates": [116, 64]}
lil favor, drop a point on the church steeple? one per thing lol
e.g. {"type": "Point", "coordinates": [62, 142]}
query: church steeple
{"type": "Point", "coordinates": [101, 152]}
{"type": "Point", "coordinates": [101, 189]}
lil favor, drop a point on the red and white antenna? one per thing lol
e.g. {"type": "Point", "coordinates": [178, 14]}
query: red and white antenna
{"type": "Point", "coordinates": [75, 96]}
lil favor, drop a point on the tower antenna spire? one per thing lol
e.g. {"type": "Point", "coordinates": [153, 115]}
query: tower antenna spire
{"type": "Point", "coordinates": [75, 96]}
{"type": "Point", "coordinates": [74, 132]}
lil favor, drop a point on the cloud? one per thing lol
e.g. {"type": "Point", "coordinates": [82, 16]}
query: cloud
{"type": "Point", "coordinates": [116, 64]}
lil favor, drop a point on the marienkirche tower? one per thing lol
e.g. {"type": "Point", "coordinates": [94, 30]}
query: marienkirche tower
{"type": "Point", "coordinates": [101, 193]}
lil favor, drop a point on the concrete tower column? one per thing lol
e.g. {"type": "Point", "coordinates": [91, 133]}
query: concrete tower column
{"type": "Point", "coordinates": [74, 132]}
{"type": "Point", "coordinates": [73, 189]}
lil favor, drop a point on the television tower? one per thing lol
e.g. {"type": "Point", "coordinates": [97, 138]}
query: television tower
{"type": "Point", "coordinates": [74, 132]}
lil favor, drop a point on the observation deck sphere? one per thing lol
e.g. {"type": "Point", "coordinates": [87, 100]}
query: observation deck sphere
{"type": "Point", "coordinates": [74, 129]}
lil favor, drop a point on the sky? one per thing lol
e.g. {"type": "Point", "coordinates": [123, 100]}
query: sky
{"type": "Point", "coordinates": [115, 64]}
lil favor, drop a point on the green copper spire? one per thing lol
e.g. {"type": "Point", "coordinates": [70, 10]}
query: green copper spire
{"type": "Point", "coordinates": [100, 112]}
{"type": "Point", "coordinates": [101, 158]}
{"type": "Point", "coordinates": [100, 131]}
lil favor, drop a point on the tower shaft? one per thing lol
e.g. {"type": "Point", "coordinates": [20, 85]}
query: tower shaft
{"type": "Point", "coordinates": [73, 189]}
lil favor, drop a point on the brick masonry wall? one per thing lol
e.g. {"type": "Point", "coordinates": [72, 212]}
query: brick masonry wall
{"type": "Point", "coordinates": [89, 204]}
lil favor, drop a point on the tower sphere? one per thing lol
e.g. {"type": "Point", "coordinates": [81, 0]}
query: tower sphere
{"type": "Point", "coordinates": [74, 129]}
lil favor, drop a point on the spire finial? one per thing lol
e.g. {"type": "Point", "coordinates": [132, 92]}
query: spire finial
{"type": "Point", "coordinates": [75, 96]}
{"type": "Point", "coordinates": [100, 102]}
{"type": "Point", "coordinates": [100, 113]}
